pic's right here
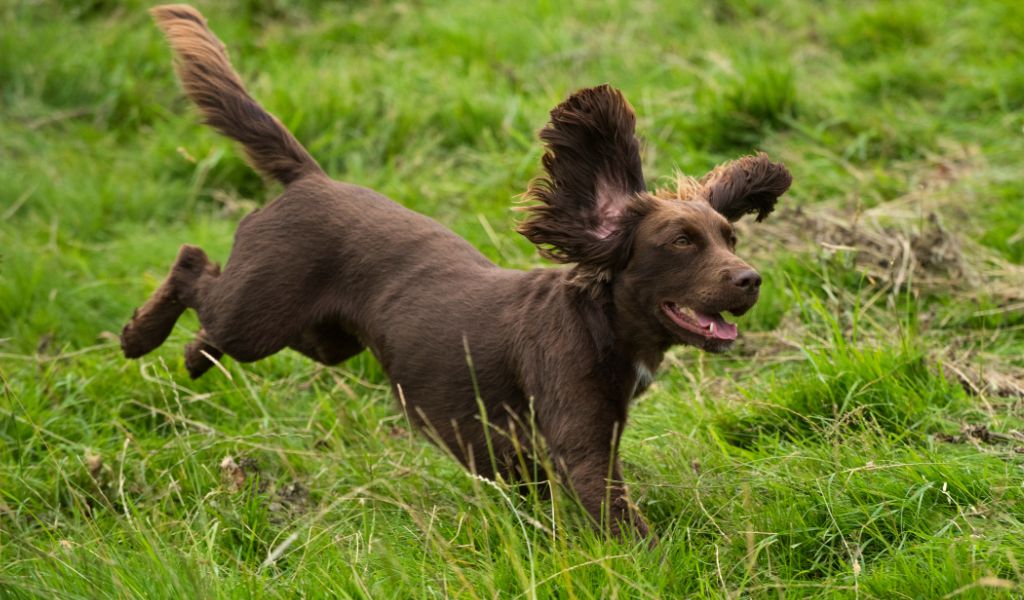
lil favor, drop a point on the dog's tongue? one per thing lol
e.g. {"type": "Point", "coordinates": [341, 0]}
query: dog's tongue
{"type": "Point", "coordinates": [723, 330]}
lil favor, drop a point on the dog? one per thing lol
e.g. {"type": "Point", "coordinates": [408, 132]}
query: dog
{"type": "Point", "coordinates": [490, 361]}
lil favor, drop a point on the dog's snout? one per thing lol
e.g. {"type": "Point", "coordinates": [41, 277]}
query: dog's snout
{"type": "Point", "coordinates": [747, 279]}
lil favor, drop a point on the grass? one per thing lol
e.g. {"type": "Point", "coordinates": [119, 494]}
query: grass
{"type": "Point", "coordinates": [862, 441]}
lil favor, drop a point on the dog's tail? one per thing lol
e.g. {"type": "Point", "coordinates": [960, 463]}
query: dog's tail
{"type": "Point", "coordinates": [210, 81]}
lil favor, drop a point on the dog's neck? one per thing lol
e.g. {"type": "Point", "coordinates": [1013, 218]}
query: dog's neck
{"type": "Point", "coordinates": [618, 331]}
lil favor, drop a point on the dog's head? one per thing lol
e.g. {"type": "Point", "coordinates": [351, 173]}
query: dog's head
{"type": "Point", "coordinates": [668, 260]}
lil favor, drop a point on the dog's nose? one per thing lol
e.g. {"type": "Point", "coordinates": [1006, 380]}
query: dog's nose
{"type": "Point", "coordinates": [747, 279]}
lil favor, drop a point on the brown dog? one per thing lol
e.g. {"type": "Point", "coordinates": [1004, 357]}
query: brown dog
{"type": "Point", "coordinates": [481, 356]}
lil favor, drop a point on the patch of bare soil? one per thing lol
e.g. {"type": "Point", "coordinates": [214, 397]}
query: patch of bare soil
{"type": "Point", "coordinates": [983, 376]}
{"type": "Point", "coordinates": [981, 435]}
{"type": "Point", "coordinates": [284, 501]}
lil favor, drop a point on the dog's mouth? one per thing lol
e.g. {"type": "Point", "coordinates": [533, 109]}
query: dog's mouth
{"type": "Point", "coordinates": [710, 326]}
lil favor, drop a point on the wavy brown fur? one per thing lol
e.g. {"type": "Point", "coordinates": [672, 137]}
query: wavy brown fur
{"type": "Point", "coordinates": [751, 184]}
{"type": "Point", "coordinates": [592, 159]}
{"type": "Point", "coordinates": [748, 185]}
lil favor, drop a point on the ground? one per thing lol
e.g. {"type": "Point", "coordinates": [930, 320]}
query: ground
{"type": "Point", "coordinates": [863, 440]}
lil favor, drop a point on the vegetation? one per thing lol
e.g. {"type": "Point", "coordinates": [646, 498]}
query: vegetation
{"type": "Point", "coordinates": [862, 441]}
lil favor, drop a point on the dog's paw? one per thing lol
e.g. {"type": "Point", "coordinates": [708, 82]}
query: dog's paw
{"type": "Point", "coordinates": [196, 361]}
{"type": "Point", "coordinates": [132, 344]}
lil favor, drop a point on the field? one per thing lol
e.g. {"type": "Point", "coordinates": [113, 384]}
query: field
{"type": "Point", "coordinates": [863, 440]}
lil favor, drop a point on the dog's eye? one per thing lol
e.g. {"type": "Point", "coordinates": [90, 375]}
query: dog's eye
{"type": "Point", "coordinates": [733, 241]}
{"type": "Point", "coordinates": [682, 240]}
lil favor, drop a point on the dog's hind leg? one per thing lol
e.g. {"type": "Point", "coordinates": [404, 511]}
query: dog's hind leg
{"type": "Point", "coordinates": [154, 320]}
{"type": "Point", "coordinates": [200, 355]}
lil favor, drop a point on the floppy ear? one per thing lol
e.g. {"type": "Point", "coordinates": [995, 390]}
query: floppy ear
{"type": "Point", "coordinates": [751, 184]}
{"type": "Point", "coordinates": [592, 160]}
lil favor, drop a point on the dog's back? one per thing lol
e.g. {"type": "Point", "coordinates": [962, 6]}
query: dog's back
{"type": "Point", "coordinates": [299, 266]}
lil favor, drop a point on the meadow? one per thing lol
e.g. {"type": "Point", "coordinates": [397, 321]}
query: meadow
{"type": "Point", "coordinates": [863, 440]}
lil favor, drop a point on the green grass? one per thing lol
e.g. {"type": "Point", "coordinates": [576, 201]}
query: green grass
{"type": "Point", "coordinates": [822, 458]}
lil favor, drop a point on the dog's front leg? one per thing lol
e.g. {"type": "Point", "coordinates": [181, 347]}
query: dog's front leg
{"type": "Point", "coordinates": [584, 448]}
{"type": "Point", "coordinates": [602, 493]}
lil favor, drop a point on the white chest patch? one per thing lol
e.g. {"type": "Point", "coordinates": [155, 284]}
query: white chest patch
{"type": "Point", "coordinates": [644, 378]}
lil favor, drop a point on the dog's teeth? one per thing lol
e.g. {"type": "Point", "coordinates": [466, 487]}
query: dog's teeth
{"type": "Point", "coordinates": [712, 328]}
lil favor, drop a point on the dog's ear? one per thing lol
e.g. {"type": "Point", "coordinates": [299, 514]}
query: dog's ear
{"type": "Point", "coordinates": [751, 184]}
{"type": "Point", "coordinates": [592, 160]}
